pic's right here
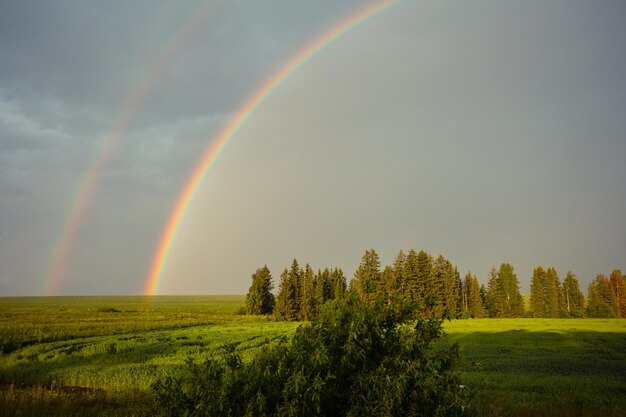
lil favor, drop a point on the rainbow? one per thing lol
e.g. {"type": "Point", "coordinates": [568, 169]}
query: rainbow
{"type": "Point", "coordinates": [78, 207]}
{"type": "Point", "coordinates": [228, 131]}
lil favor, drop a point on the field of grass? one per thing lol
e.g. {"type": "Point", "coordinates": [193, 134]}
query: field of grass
{"type": "Point", "coordinates": [99, 355]}
{"type": "Point", "coordinates": [544, 367]}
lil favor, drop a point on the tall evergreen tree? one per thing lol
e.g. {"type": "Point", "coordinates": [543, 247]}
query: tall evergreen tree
{"type": "Point", "coordinates": [474, 299]}
{"type": "Point", "coordinates": [493, 295]}
{"type": "Point", "coordinates": [618, 282]}
{"type": "Point", "coordinates": [552, 292]}
{"type": "Point", "coordinates": [338, 284]}
{"type": "Point", "coordinates": [574, 298]}
{"type": "Point", "coordinates": [260, 299]}
{"type": "Point", "coordinates": [307, 300]}
{"type": "Point", "coordinates": [602, 302]}
{"type": "Point", "coordinates": [537, 293]}
{"type": "Point", "coordinates": [504, 298]}
{"type": "Point", "coordinates": [387, 278]}
{"type": "Point", "coordinates": [410, 272]}
{"type": "Point", "coordinates": [449, 289]}
{"type": "Point", "coordinates": [513, 302]}
{"type": "Point", "coordinates": [368, 277]}
{"type": "Point", "coordinates": [322, 286]}
{"type": "Point", "coordinates": [465, 290]}
{"type": "Point", "coordinates": [286, 307]}
{"type": "Point", "coordinates": [398, 276]}
{"type": "Point", "coordinates": [426, 287]}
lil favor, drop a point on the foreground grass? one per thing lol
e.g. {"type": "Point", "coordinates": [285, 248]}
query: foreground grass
{"type": "Point", "coordinates": [98, 355]}
{"type": "Point", "coordinates": [544, 367]}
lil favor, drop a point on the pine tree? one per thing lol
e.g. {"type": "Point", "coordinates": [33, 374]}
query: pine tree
{"type": "Point", "coordinates": [474, 299]}
{"type": "Point", "coordinates": [307, 301]}
{"type": "Point", "coordinates": [338, 284]}
{"type": "Point", "coordinates": [574, 298]}
{"type": "Point", "coordinates": [552, 292]}
{"type": "Point", "coordinates": [493, 295]}
{"type": "Point", "coordinates": [409, 271]}
{"type": "Point", "coordinates": [537, 293]}
{"type": "Point", "coordinates": [387, 278]}
{"type": "Point", "coordinates": [602, 302]}
{"type": "Point", "coordinates": [322, 286]}
{"type": "Point", "coordinates": [618, 282]}
{"type": "Point", "coordinates": [426, 287]}
{"type": "Point", "coordinates": [513, 302]}
{"type": "Point", "coordinates": [286, 307]}
{"type": "Point", "coordinates": [449, 289]}
{"type": "Point", "coordinates": [260, 299]}
{"type": "Point", "coordinates": [465, 292]}
{"type": "Point", "coordinates": [368, 277]}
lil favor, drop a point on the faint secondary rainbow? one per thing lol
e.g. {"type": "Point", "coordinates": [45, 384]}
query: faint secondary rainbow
{"type": "Point", "coordinates": [221, 139]}
{"type": "Point", "coordinates": [58, 264]}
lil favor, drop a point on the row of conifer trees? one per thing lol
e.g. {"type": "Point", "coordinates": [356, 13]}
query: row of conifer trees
{"type": "Point", "coordinates": [434, 288]}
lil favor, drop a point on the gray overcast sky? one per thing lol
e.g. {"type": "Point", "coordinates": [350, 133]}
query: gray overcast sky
{"type": "Point", "coordinates": [487, 131]}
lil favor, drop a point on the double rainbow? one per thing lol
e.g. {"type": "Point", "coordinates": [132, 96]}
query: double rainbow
{"type": "Point", "coordinates": [78, 207]}
{"type": "Point", "coordinates": [219, 142]}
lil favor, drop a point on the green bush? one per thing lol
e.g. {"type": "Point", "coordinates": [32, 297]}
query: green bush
{"type": "Point", "coordinates": [354, 360]}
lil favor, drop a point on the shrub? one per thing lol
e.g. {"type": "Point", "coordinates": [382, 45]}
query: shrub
{"type": "Point", "coordinates": [354, 360]}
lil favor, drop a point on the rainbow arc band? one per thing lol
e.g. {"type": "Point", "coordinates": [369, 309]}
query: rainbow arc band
{"type": "Point", "coordinates": [225, 135]}
{"type": "Point", "coordinates": [57, 267]}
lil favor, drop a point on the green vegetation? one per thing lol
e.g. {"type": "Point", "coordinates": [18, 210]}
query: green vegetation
{"type": "Point", "coordinates": [99, 355]}
{"type": "Point", "coordinates": [544, 367]}
{"type": "Point", "coordinates": [352, 360]}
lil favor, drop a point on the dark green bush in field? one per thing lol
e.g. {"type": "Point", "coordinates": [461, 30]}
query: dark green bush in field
{"type": "Point", "coordinates": [354, 360]}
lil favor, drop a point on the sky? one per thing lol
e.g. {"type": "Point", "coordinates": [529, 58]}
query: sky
{"type": "Point", "coordinates": [486, 131]}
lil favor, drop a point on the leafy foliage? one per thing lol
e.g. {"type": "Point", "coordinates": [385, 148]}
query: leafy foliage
{"type": "Point", "coordinates": [353, 360]}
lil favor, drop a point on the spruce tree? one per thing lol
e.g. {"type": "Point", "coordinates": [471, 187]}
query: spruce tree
{"type": "Point", "coordinates": [537, 293]}
{"type": "Point", "coordinates": [618, 282]}
{"type": "Point", "coordinates": [602, 302]}
{"type": "Point", "coordinates": [286, 307]}
{"type": "Point", "coordinates": [368, 277]}
{"type": "Point", "coordinates": [494, 294]}
{"type": "Point", "coordinates": [260, 299]}
{"type": "Point", "coordinates": [338, 284]}
{"type": "Point", "coordinates": [552, 292]}
{"type": "Point", "coordinates": [474, 299]}
{"type": "Point", "coordinates": [411, 289]}
{"type": "Point", "coordinates": [574, 298]}
{"type": "Point", "coordinates": [513, 302]}
{"type": "Point", "coordinates": [307, 300]}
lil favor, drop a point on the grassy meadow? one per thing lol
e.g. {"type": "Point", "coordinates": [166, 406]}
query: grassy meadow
{"type": "Point", "coordinates": [99, 355]}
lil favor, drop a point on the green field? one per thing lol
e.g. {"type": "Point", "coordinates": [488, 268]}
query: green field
{"type": "Point", "coordinates": [99, 355]}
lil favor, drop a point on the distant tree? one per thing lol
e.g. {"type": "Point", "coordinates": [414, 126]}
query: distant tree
{"type": "Point", "coordinates": [307, 299]}
{"type": "Point", "coordinates": [494, 302]}
{"type": "Point", "coordinates": [388, 280]}
{"type": "Point", "coordinates": [474, 299]}
{"type": "Point", "coordinates": [574, 298]}
{"type": "Point", "coordinates": [338, 284]}
{"type": "Point", "coordinates": [322, 286]}
{"type": "Point", "coordinates": [537, 293]}
{"type": "Point", "coordinates": [412, 288]}
{"type": "Point", "coordinates": [447, 290]}
{"type": "Point", "coordinates": [552, 292]}
{"type": "Point", "coordinates": [368, 277]}
{"type": "Point", "coordinates": [602, 302]}
{"type": "Point", "coordinates": [398, 279]}
{"type": "Point", "coordinates": [426, 287]}
{"type": "Point", "coordinates": [513, 301]}
{"type": "Point", "coordinates": [260, 299]}
{"type": "Point", "coordinates": [465, 289]}
{"type": "Point", "coordinates": [287, 305]}
{"type": "Point", "coordinates": [618, 282]}
{"type": "Point", "coordinates": [504, 298]}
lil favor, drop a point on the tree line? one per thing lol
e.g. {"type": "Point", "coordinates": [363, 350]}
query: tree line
{"type": "Point", "coordinates": [432, 286]}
